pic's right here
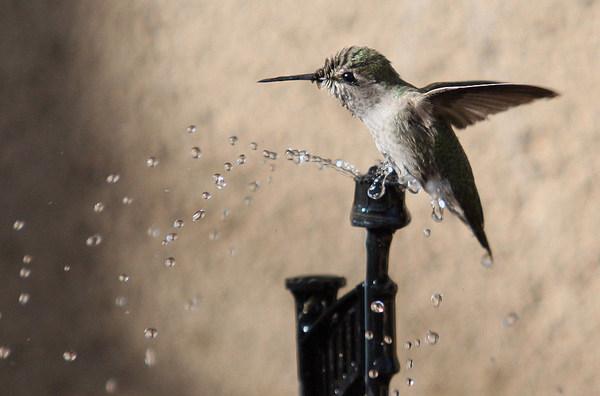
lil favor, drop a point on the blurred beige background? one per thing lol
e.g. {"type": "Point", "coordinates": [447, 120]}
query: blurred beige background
{"type": "Point", "coordinates": [94, 88]}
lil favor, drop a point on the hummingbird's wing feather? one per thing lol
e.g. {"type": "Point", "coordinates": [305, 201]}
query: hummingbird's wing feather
{"type": "Point", "coordinates": [464, 103]}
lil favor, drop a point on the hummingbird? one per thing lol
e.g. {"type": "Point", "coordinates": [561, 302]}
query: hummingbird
{"type": "Point", "coordinates": [413, 127]}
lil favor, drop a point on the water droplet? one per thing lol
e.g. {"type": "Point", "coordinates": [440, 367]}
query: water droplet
{"type": "Point", "coordinates": [69, 356]}
{"type": "Point", "coordinates": [431, 337]}
{"type": "Point", "coordinates": [23, 298]}
{"type": "Point", "coordinates": [396, 392]}
{"type": "Point", "coordinates": [113, 178]}
{"type": "Point", "coordinates": [387, 339]}
{"type": "Point", "coordinates": [407, 345]}
{"type": "Point", "coordinates": [247, 201]}
{"type": "Point", "coordinates": [67, 268]}
{"type": "Point", "coordinates": [253, 186]}
{"type": "Point", "coordinates": [377, 306]}
{"type": "Point", "coordinates": [98, 207]}
{"type": "Point", "coordinates": [253, 145]}
{"type": "Point", "coordinates": [214, 235]}
{"type": "Point", "coordinates": [151, 162]}
{"type": "Point", "coordinates": [172, 236]}
{"type": "Point", "coordinates": [271, 155]}
{"type": "Point", "coordinates": [410, 381]}
{"type": "Point", "coordinates": [178, 224]}
{"type": "Point", "coordinates": [241, 160]}
{"type": "Point", "coordinates": [150, 332]}
{"type": "Point", "coordinates": [436, 299]}
{"type": "Point", "coordinates": [487, 261]}
{"type": "Point", "coordinates": [377, 188]}
{"type": "Point", "coordinates": [24, 272]}
{"type": "Point", "coordinates": [369, 335]}
{"type": "Point", "coordinates": [150, 357]}
{"type": "Point", "coordinates": [305, 328]}
{"type": "Point", "coordinates": [437, 211]}
{"type": "Point", "coordinates": [121, 301]}
{"type": "Point", "coordinates": [198, 215]}
{"type": "Point", "coordinates": [206, 195]}
{"type": "Point", "coordinates": [196, 152]}
{"type": "Point", "coordinates": [111, 385]}
{"type": "Point", "coordinates": [227, 166]}
{"type": "Point", "coordinates": [409, 364]}
{"type": "Point", "coordinates": [373, 373]}
{"type": "Point", "coordinates": [427, 232]}
{"type": "Point", "coordinates": [127, 200]}
{"type": "Point", "coordinates": [94, 240]}
{"type": "Point", "coordinates": [4, 352]}
{"type": "Point", "coordinates": [169, 262]}
{"type": "Point", "coordinates": [219, 181]}
{"type": "Point", "coordinates": [510, 319]}
{"type": "Point", "coordinates": [226, 213]}
{"type": "Point", "coordinates": [124, 278]}
{"type": "Point", "coordinates": [191, 129]}
{"type": "Point", "coordinates": [27, 259]}
{"type": "Point", "coordinates": [18, 225]}
{"type": "Point", "coordinates": [233, 140]}
{"type": "Point", "coordinates": [413, 185]}
{"type": "Point", "coordinates": [417, 343]}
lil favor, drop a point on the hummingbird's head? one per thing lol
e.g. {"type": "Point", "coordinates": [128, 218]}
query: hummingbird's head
{"type": "Point", "coordinates": [357, 76]}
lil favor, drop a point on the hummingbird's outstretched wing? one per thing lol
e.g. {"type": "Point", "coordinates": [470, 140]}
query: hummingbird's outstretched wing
{"type": "Point", "coordinates": [466, 102]}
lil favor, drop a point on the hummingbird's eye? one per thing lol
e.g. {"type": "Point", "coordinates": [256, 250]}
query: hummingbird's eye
{"type": "Point", "coordinates": [349, 77]}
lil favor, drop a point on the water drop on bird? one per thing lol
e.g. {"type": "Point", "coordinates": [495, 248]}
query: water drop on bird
{"type": "Point", "coordinates": [409, 364]}
{"type": "Point", "coordinates": [219, 181]}
{"type": "Point", "coordinates": [196, 152]}
{"type": "Point", "coordinates": [94, 240]}
{"type": "Point", "coordinates": [123, 278]}
{"type": "Point", "coordinates": [410, 381]}
{"type": "Point", "coordinates": [369, 335]}
{"type": "Point", "coordinates": [387, 339]}
{"type": "Point", "coordinates": [127, 200]}
{"type": "Point", "coordinates": [253, 146]}
{"type": "Point", "coordinates": [113, 178]}
{"type": "Point", "coordinates": [151, 162]}
{"type": "Point", "coordinates": [436, 299]}
{"type": "Point", "coordinates": [206, 195]}
{"type": "Point", "coordinates": [427, 232]}
{"type": "Point", "coordinates": [27, 259]}
{"type": "Point", "coordinates": [178, 224]}
{"type": "Point", "coordinates": [169, 262]}
{"type": "Point", "coordinates": [233, 140]}
{"type": "Point", "coordinates": [69, 356]}
{"type": "Point", "coordinates": [24, 272]}
{"type": "Point", "coordinates": [227, 166]}
{"type": "Point", "coordinates": [432, 337]}
{"type": "Point", "coordinates": [373, 373]}
{"type": "Point", "coordinates": [407, 345]}
{"type": "Point", "coordinates": [487, 261]}
{"type": "Point", "coordinates": [98, 207]}
{"type": "Point", "coordinates": [191, 129]}
{"type": "Point", "coordinates": [172, 236]}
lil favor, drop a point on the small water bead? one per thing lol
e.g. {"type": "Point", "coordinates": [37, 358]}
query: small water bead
{"type": "Point", "coordinates": [417, 343]}
{"type": "Point", "coordinates": [214, 235]}
{"type": "Point", "coordinates": [98, 207]}
{"type": "Point", "coordinates": [206, 195]}
{"type": "Point", "coordinates": [388, 340]}
{"type": "Point", "coordinates": [150, 357]}
{"type": "Point", "coordinates": [178, 224]}
{"type": "Point", "coordinates": [24, 272]}
{"type": "Point", "coordinates": [409, 364]}
{"type": "Point", "coordinates": [151, 162]}
{"type": "Point", "coordinates": [510, 319]}
{"type": "Point", "coordinates": [127, 200]}
{"type": "Point", "coordinates": [413, 185]}
{"type": "Point", "coordinates": [431, 337]}
{"type": "Point", "coordinates": [487, 261]}
{"type": "Point", "coordinates": [113, 178]}
{"type": "Point", "coordinates": [373, 373]}
{"type": "Point", "coordinates": [410, 381]}
{"type": "Point", "coordinates": [377, 188]}
{"type": "Point", "coordinates": [18, 225]}
{"type": "Point", "coordinates": [369, 335]}
{"type": "Point", "coordinates": [170, 237]}
{"type": "Point", "coordinates": [437, 209]}
{"type": "Point", "coordinates": [427, 232]}
{"type": "Point", "coordinates": [123, 278]}
{"type": "Point", "coordinates": [169, 262]}
{"type": "Point", "coordinates": [253, 146]}
{"type": "Point", "coordinates": [121, 301]}
{"type": "Point", "coordinates": [271, 155]}
{"type": "Point", "coordinates": [198, 215]}
{"type": "Point", "coordinates": [27, 259]}
{"type": "Point", "coordinates": [67, 268]}
{"type": "Point", "coordinates": [219, 181]}
{"type": "Point", "coordinates": [154, 232]}
{"type": "Point", "coordinates": [241, 160]}
{"type": "Point", "coordinates": [69, 356]}
{"type": "Point", "coordinates": [254, 186]}
{"type": "Point", "coordinates": [150, 333]}
{"type": "Point", "coordinates": [377, 306]}
{"type": "Point", "coordinates": [233, 140]}
{"type": "Point", "coordinates": [227, 166]}
{"type": "Point", "coordinates": [196, 152]}
{"type": "Point", "coordinates": [94, 240]}
{"type": "Point", "coordinates": [4, 352]}
{"type": "Point", "coordinates": [407, 345]}
{"type": "Point", "coordinates": [111, 385]}
{"type": "Point", "coordinates": [191, 129]}
{"type": "Point", "coordinates": [436, 299]}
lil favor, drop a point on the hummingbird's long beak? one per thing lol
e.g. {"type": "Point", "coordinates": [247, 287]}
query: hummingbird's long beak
{"type": "Point", "coordinates": [305, 77]}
